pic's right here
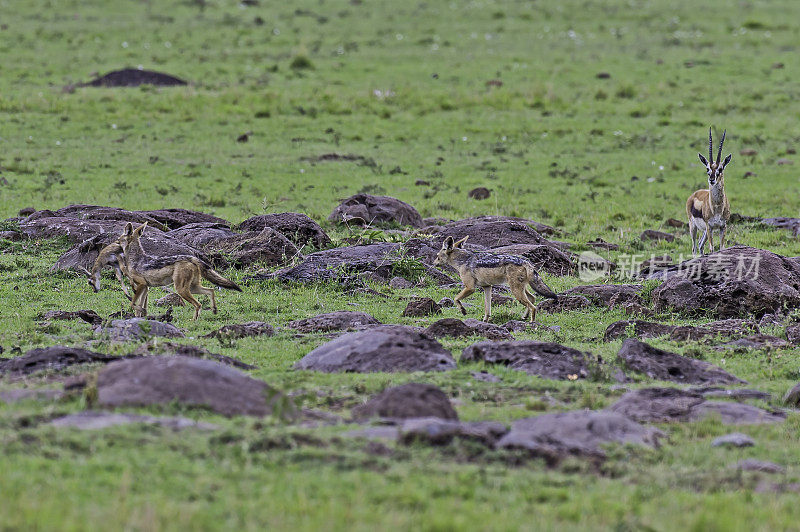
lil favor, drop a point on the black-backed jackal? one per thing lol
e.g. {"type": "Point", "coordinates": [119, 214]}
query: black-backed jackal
{"type": "Point", "coordinates": [709, 210]}
{"type": "Point", "coordinates": [486, 269]}
{"type": "Point", "coordinates": [113, 256]}
{"type": "Point", "coordinates": [183, 271]}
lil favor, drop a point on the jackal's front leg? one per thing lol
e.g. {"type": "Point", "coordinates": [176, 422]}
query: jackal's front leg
{"type": "Point", "coordinates": [466, 292]}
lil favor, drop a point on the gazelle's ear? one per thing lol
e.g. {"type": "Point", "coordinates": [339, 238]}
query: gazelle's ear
{"type": "Point", "coordinates": [128, 229]}
{"type": "Point", "coordinates": [460, 242]}
{"type": "Point", "coordinates": [703, 159]}
{"type": "Point", "coordinates": [448, 243]}
{"type": "Point", "coordinates": [727, 160]}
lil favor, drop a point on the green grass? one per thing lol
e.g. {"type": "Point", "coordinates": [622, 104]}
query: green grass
{"type": "Point", "coordinates": [403, 85]}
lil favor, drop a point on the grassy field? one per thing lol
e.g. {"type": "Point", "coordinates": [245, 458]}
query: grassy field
{"type": "Point", "coordinates": [403, 86]}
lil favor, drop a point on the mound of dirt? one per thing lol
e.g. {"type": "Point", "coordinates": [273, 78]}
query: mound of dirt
{"type": "Point", "coordinates": [189, 381]}
{"type": "Point", "coordinates": [730, 283]}
{"type": "Point", "coordinates": [455, 328]}
{"type": "Point", "coordinates": [387, 348]}
{"type": "Point", "coordinates": [334, 321]}
{"type": "Point", "coordinates": [267, 247]}
{"type": "Point", "coordinates": [664, 405]}
{"type": "Point", "coordinates": [198, 235]}
{"type": "Point", "coordinates": [582, 432]}
{"type": "Point", "coordinates": [731, 328]}
{"type": "Point", "coordinates": [407, 401]}
{"type": "Point", "coordinates": [437, 431]}
{"type": "Point", "coordinates": [366, 209]}
{"type": "Point", "coordinates": [89, 316]}
{"type": "Point", "coordinates": [545, 359]}
{"type": "Point", "coordinates": [422, 306]}
{"type": "Point", "coordinates": [53, 358]}
{"type": "Point", "coordinates": [663, 365]}
{"type": "Point", "coordinates": [133, 77]}
{"type": "Point", "coordinates": [609, 295]}
{"type": "Point", "coordinates": [298, 228]}
{"type": "Point", "coordinates": [193, 351]}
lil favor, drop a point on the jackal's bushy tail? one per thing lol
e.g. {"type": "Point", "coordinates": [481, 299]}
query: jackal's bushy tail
{"type": "Point", "coordinates": [539, 286]}
{"type": "Point", "coordinates": [211, 275]}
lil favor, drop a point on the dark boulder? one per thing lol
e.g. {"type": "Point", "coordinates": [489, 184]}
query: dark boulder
{"type": "Point", "coordinates": [452, 327]}
{"type": "Point", "coordinates": [89, 316]}
{"type": "Point", "coordinates": [198, 235]}
{"type": "Point", "coordinates": [365, 209]}
{"type": "Point", "coordinates": [161, 347]}
{"type": "Point", "coordinates": [609, 295]}
{"type": "Point", "coordinates": [438, 431]}
{"type": "Point", "coordinates": [334, 321]}
{"type": "Point", "coordinates": [730, 283]}
{"type": "Point", "coordinates": [189, 381]}
{"type": "Point", "coordinates": [421, 306]}
{"type": "Point", "coordinates": [488, 233]}
{"type": "Point", "coordinates": [663, 365]}
{"type": "Point", "coordinates": [133, 77]}
{"type": "Point", "coordinates": [545, 257]}
{"type": "Point", "coordinates": [650, 234]}
{"type": "Point", "coordinates": [51, 358]}
{"type": "Point", "coordinates": [267, 247]}
{"type": "Point", "coordinates": [387, 348]}
{"type": "Point", "coordinates": [298, 228]}
{"type": "Point", "coordinates": [545, 359]}
{"type": "Point", "coordinates": [242, 330]}
{"type": "Point", "coordinates": [407, 401]}
{"type": "Point", "coordinates": [581, 433]}
{"type": "Point", "coordinates": [138, 329]}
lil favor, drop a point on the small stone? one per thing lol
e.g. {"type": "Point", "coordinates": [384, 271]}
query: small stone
{"type": "Point", "coordinates": [480, 193]}
{"type": "Point", "coordinates": [734, 439]}
{"type": "Point", "coordinates": [762, 466]}
{"type": "Point", "coordinates": [400, 283]}
{"type": "Point", "coordinates": [421, 306]}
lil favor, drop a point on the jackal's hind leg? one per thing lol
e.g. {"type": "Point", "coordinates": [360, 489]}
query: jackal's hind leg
{"type": "Point", "coordinates": [197, 288]}
{"type": "Point", "coordinates": [487, 302]}
{"type": "Point", "coordinates": [519, 292]}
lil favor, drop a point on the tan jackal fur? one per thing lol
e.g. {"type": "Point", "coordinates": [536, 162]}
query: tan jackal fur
{"type": "Point", "coordinates": [183, 271]}
{"type": "Point", "coordinates": [112, 256]}
{"type": "Point", "coordinates": [709, 210]}
{"type": "Point", "coordinates": [486, 269]}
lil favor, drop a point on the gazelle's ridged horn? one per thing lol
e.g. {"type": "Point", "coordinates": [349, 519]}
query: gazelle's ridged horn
{"type": "Point", "coordinates": [710, 147]}
{"type": "Point", "coordinates": [719, 153]}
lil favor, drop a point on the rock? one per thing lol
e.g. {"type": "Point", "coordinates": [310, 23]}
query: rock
{"type": "Point", "coordinates": [298, 228]}
{"type": "Point", "coordinates": [664, 405]}
{"type": "Point", "coordinates": [650, 234]}
{"type": "Point", "coordinates": [197, 235]}
{"type": "Point", "coordinates": [545, 359]}
{"type": "Point", "coordinates": [733, 282]}
{"type": "Point", "coordinates": [654, 264]}
{"type": "Point", "coordinates": [789, 224]}
{"type": "Point", "coordinates": [242, 330]}
{"type": "Point", "coordinates": [73, 229]}
{"type": "Point", "coordinates": [599, 243]}
{"type": "Point", "coordinates": [437, 431]}
{"type": "Point", "coordinates": [792, 397]}
{"type": "Point", "coordinates": [193, 351]}
{"type": "Point", "coordinates": [366, 209]}
{"type": "Point", "coordinates": [407, 401]}
{"type": "Point", "coordinates": [663, 365]}
{"type": "Point", "coordinates": [757, 341]}
{"type": "Point", "coordinates": [545, 258]}
{"type": "Point", "coordinates": [374, 433]}
{"type": "Point", "coordinates": [170, 300]}
{"type": "Point", "coordinates": [487, 232]}
{"type": "Point", "coordinates": [400, 283]}
{"type": "Point", "coordinates": [646, 329]}
{"type": "Point", "coordinates": [581, 432]}
{"type": "Point", "coordinates": [133, 77]}
{"type": "Point", "coordinates": [13, 236]}
{"type": "Point", "coordinates": [100, 213]}
{"type": "Point", "coordinates": [564, 303]}
{"type": "Point", "coordinates": [762, 466]}
{"type": "Point", "coordinates": [480, 193]}
{"type": "Point", "coordinates": [89, 316]}
{"type": "Point", "coordinates": [174, 218]}
{"type": "Point", "coordinates": [421, 306]}
{"type": "Point", "coordinates": [268, 248]}
{"type": "Point", "coordinates": [342, 265]}
{"type": "Point", "coordinates": [189, 381]}
{"type": "Point", "coordinates": [678, 224]}
{"type": "Point", "coordinates": [734, 439]}
{"type": "Point", "coordinates": [138, 329]}
{"type": "Point", "coordinates": [608, 295]}
{"type": "Point", "coordinates": [26, 211]}
{"type": "Point", "coordinates": [386, 348]}
{"type": "Point", "coordinates": [774, 319]}
{"type": "Point", "coordinates": [793, 334]}
{"type": "Point", "coordinates": [92, 420]}
{"type": "Point", "coordinates": [26, 394]}
{"type": "Point", "coordinates": [334, 321]}
{"type": "Point", "coordinates": [784, 161]}
{"type": "Point", "coordinates": [738, 394]}
{"type": "Point", "coordinates": [470, 327]}
{"type": "Point", "coordinates": [51, 358]}
{"type": "Point", "coordinates": [485, 376]}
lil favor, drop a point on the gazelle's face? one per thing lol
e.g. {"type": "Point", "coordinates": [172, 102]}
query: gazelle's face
{"type": "Point", "coordinates": [715, 170]}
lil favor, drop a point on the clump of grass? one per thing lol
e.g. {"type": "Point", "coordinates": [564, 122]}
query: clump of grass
{"type": "Point", "coordinates": [301, 62]}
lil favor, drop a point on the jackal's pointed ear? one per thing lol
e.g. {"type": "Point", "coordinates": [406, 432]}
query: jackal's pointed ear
{"type": "Point", "coordinates": [703, 159]}
{"type": "Point", "coordinates": [448, 243]}
{"type": "Point", "coordinates": [139, 230]}
{"type": "Point", "coordinates": [460, 242]}
{"type": "Point", "coordinates": [727, 160]}
{"type": "Point", "coordinates": [128, 229]}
